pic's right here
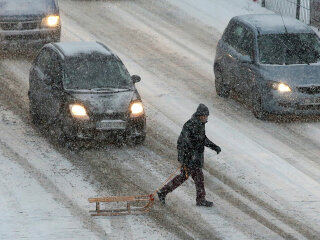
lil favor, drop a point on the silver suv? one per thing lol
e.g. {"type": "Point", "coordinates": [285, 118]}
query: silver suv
{"type": "Point", "coordinates": [273, 62]}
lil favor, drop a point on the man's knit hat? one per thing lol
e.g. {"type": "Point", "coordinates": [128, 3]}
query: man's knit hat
{"type": "Point", "coordinates": [202, 110]}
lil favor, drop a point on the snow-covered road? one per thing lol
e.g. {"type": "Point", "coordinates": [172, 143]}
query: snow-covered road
{"type": "Point", "coordinates": [265, 183]}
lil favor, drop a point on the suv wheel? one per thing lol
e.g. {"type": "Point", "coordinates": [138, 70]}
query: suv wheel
{"type": "Point", "coordinates": [221, 89]}
{"type": "Point", "coordinates": [59, 136]}
{"type": "Point", "coordinates": [58, 131]}
{"type": "Point", "coordinates": [258, 110]}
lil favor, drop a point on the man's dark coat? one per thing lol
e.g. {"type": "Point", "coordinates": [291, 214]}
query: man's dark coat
{"type": "Point", "coordinates": [193, 139]}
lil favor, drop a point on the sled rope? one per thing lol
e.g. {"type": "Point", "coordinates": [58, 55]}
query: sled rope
{"type": "Point", "coordinates": [147, 199]}
{"type": "Point", "coordinates": [165, 182]}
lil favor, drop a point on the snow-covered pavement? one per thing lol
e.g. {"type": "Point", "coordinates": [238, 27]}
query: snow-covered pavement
{"type": "Point", "coordinates": [217, 13]}
{"type": "Point", "coordinates": [44, 196]}
{"type": "Point", "coordinates": [265, 183]}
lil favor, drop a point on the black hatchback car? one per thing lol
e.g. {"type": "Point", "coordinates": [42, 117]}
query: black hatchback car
{"type": "Point", "coordinates": [273, 62]}
{"type": "Point", "coordinates": [84, 90]}
{"type": "Point", "coordinates": [25, 23]}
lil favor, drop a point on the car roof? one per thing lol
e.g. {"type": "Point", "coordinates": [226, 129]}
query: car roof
{"type": "Point", "coordinates": [274, 23]}
{"type": "Point", "coordinates": [77, 49]}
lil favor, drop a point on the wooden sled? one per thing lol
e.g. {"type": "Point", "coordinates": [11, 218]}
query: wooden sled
{"type": "Point", "coordinates": [147, 199]}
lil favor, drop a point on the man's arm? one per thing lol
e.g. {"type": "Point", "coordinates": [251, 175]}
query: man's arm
{"type": "Point", "coordinates": [211, 145]}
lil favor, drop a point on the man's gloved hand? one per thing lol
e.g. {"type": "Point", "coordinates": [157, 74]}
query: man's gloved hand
{"type": "Point", "coordinates": [218, 149]}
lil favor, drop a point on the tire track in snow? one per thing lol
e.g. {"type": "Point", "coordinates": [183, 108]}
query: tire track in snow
{"type": "Point", "coordinates": [108, 177]}
{"type": "Point", "coordinates": [159, 218]}
{"type": "Point", "coordinates": [112, 160]}
{"type": "Point", "coordinates": [165, 65]}
{"type": "Point", "coordinates": [11, 93]}
{"type": "Point", "coordinates": [47, 184]}
{"type": "Point", "coordinates": [293, 224]}
{"type": "Point", "coordinates": [234, 199]}
{"type": "Point", "coordinates": [147, 51]}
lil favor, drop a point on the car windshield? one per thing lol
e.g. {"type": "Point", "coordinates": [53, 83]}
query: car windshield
{"type": "Point", "coordinates": [285, 49]}
{"type": "Point", "coordinates": [18, 7]}
{"type": "Point", "coordinates": [96, 73]}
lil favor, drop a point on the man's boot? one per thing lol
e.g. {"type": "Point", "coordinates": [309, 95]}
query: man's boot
{"type": "Point", "coordinates": [205, 203]}
{"type": "Point", "coordinates": [162, 197]}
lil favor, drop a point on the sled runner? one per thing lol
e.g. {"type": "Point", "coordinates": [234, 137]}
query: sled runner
{"type": "Point", "coordinates": [139, 204]}
{"type": "Point", "coordinates": [147, 200]}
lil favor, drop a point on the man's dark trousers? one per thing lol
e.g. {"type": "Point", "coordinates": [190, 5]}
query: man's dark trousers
{"type": "Point", "coordinates": [197, 176]}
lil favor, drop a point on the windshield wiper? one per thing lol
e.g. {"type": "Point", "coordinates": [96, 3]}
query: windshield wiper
{"type": "Point", "coordinates": [110, 89]}
{"type": "Point", "coordinates": [101, 88]}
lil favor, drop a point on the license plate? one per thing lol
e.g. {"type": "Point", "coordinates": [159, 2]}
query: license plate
{"type": "Point", "coordinates": [111, 125]}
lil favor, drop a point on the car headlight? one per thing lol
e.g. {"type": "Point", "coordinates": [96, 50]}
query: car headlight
{"type": "Point", "coordinates": [281, 87]}
{"type": "Point", "coordinates": [136, 109]}
{"type": "Point", "coordinates": [78, 111]}
{"type": "Point", "coordinates": [51, 21]}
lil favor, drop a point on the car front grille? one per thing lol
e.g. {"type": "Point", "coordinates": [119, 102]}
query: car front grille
{"type": "Point", "coordinates": [22, 25]}
{"type": "Point", "coordinates": [309, 90]}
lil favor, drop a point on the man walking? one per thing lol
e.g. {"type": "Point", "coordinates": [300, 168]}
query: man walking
{"type": "Point", "coordinates": [190, 145]}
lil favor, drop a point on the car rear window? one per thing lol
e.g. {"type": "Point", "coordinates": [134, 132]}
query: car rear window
{"type": "Point", "coordinates": [286, 49]}
{"type": "Point", "coordinates": [18, 7]}
{"type": "Point", "coordinates": [92, 73]}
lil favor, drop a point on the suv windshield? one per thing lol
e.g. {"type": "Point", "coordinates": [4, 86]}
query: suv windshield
{"type": "Point", "coordinates": [18, 7]}
{"type": "Point", "coordinates": [280, 49]}
{"type": "Point", "coordinates": [95, 73]}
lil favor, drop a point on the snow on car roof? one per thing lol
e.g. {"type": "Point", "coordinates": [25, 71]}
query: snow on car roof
{"type": "Point", "coordinates": [73, 49]}
{"type": "Point", "coordinates": [273, 23]}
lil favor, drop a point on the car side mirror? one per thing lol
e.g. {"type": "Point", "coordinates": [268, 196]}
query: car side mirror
{"type": "Point", "coordinates": [135, 78]}
{"type": "Point", "coordinates": [245, 59]}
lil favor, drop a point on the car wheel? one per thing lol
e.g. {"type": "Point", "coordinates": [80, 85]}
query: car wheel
{"type": "Point", "coordinates": [221, 89]}
{"type": "Point", "coordinates": [58, 132]}
{"type": "Point", "coordinates": [258, 110]}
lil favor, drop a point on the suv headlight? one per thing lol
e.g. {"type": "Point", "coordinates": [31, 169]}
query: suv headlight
{"type": "Point", "coordinates": [281, 87]}
{"type": "Point", "coordinates": [136, 109]}
{"type": "Point", "coordinates": [78, 111]}
{"type": "Point", "coordinates": [51, 21]}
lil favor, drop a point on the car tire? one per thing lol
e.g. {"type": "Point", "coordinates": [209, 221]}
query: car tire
{"type": "Point", "coordinates": [61, 137]}
{"type": "Point", "coordinates": [221, 89]}
{"type": "Point", "coordinates": [59, 131]}
{"type": "Point", "coordinates": [258, 110]}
